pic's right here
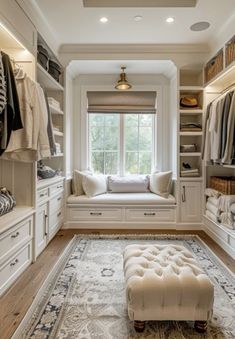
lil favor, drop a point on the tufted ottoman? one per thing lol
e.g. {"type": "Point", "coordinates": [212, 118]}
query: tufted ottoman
{"type": "Point", "coordinates": [164, 282]}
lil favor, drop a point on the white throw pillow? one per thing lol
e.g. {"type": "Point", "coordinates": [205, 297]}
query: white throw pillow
{"type": "Point", "coordinates": [128, 184]}
{"type": "Point", "coordinates": [94, 185]}
{"type": "Point", "coordinates": [77, 181]}
{"type": "Point", "coordinates": [160, 183]}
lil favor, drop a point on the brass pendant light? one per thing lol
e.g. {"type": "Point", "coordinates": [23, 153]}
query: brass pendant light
{"type": "Point", "coordinates": [122, 83]}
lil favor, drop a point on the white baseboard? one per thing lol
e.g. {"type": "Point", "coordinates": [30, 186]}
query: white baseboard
{"type": "Point", "coordinates": [118, 225]}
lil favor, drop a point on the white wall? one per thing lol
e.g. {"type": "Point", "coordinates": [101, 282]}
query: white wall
{"type": "Point", "coordinates": [141, 80]}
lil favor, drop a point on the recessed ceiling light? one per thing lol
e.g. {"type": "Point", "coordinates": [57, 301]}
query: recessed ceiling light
{"type": "Point", "coordinates": [200, 26]}
{"type": "Point", "coordinates": [138, 18]}
{"type": "Point", "coordinates": [170, 19]}
{"type": "Point", "coordinates": [104, 20]}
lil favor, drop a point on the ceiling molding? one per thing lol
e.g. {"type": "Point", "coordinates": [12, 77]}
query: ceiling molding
{"type": "Point", "coordinates": [133, 48]}
{"type": "Point", "coordinates": [139, 3]}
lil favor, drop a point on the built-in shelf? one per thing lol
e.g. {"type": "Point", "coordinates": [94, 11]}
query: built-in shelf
{"type": "Point", "coordinates": [18, 214]}
{"type": "Point", "coordinates": [220, 165]}
{"type": "Point", "coordinates": [58, 133]}
{"type": "Point", "coordinates": [190, 154]}
{"type": "Point", "coordinates": [191, 88]}
{"type": "Point", "coordinates": [190, 133]}
{"type": "Point", "coordinates": [57, 155]}
{"type": "Point", "coordinates": [55, 110]}
{"type": "Point", "coordinates": [46, 80]}
{"type": "Point", "coordinates": [191, 179]}
{"type": "Point", "coordinates": [222, 80]}
{"type": "Point", "coordinates": [190, 111]}
{"type": "Point", "coordinates": [45, 182]}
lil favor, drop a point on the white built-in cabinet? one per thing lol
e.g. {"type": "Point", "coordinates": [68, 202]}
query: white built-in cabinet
{"type": "Point", "coordinates": [39, 211]}
{"type": "Point", "coordinates": [190, 206]}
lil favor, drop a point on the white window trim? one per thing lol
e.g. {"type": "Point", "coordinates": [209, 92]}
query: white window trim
{"type": "Point", "coordinates": [157, 142]}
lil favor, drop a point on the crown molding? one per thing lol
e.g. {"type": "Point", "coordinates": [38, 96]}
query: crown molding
{"type": "Point", "coordinates": [134, 48]}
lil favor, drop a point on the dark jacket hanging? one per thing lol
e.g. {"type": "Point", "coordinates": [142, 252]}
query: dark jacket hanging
{"type": "Point", "coordinates": [10, 118]}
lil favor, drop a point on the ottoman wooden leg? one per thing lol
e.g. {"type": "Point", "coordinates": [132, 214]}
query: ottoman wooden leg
{"type": "Point", "coordinates": [200, 326]}
{"type": "Point", "coordinates": [139, 325]}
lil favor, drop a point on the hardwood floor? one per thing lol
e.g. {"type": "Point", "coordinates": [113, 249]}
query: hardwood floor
{"type": "Point", "coordinates": [16, 301]}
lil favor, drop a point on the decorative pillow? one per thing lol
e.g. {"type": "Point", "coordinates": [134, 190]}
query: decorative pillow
{"type": "Point", "coordinates": [128, 184]}
{"type": "Point", "coordinates": [77, 181]}
{"type": "Point", "coordinates": [94, 185]}
{"type": "Point", "coordinates": [160, 183]}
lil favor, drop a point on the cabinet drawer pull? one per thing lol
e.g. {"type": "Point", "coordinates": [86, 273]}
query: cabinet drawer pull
{"type": "Point", "coordinates": [15, 235]}
{"type": "Point", "coordinates": [59, 214]}
{"type": "Point", "coordinates": [60, 186]}
{"type": "Point", "coordinates": [42, 195]}
{"type": "Point", "coordinates": [95, 213]}
{"type": "Point", "coordinates": [149, 214]}
{"type": "Point", "coordinates": [14, 262]}
{"type": "Point", "coordinates": [183, 195]}
{"type": "Point", "coordinates": [59, 199]}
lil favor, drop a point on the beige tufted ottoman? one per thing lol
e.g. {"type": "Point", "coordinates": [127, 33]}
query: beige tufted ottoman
{"type": "Point", "coordinates": [164, 282]}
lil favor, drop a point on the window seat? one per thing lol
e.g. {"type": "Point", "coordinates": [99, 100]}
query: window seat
{"type": "Point", "coordinates": [121, 211]}
{"type": "Point", "coordinates": [147, 198]}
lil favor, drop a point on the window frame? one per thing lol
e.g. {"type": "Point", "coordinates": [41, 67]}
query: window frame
{"type": "Point", "coordinates": [122, 143]}
{"type": "Point", "coordinates": [82, 159]}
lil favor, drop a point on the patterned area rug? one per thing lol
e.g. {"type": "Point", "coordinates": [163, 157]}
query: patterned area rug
{"type": "Point", "coordinates": [84, 297]}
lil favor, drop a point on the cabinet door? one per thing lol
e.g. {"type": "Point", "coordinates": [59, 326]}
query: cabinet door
{"type": "Point", "coordinates": [41, 229]}
{"type": "Point", "coordinates": [191, 201]}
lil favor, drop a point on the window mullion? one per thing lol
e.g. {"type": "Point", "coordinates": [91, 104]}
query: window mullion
{"type": "Point", "coordinates": [122, 146]}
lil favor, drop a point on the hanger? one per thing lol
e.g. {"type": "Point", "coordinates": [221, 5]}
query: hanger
{"type": "Point", "coordinates": [224, 92]}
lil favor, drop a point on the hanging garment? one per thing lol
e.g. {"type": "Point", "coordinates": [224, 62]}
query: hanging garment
{"type": "Point", "coordinates": [3, 88]}
{"type": "Point", "coordinates": [226, 108]}
{"type": "Point", "coordinates": [229, 148]}
{"type": "Point", "coordinates": [206, 135]}
{"type": "Point", "coordinates": [10, 118]}
{"type": "Point", "coordinates": [31, 143]}
{"type": "Point", "coordinates": [50, 128]}
{"type": "Point", "coordinates": [215, 129]}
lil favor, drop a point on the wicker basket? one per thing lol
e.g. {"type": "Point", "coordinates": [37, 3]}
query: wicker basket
{"type": "Point", "coordinates": [230, 51]}
{"type": "Point", "coordinates": [225, 185]}
{"type": "Point", "coordinates": [214, 66]}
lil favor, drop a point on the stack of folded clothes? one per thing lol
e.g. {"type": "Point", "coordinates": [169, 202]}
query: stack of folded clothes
{"type": "Point", "coordinates": [188, 171]}
{"type": "Point", "coordinates": [220, 208]}
{"type": "Point", "coordinates": [190, 126]}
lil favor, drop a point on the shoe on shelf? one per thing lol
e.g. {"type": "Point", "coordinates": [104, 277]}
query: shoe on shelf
{"type": "Point", "coordinates": [186, 165]}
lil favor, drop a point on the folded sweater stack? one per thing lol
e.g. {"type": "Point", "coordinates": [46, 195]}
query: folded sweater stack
{"type": "Point", "coordinates": [220, 208]}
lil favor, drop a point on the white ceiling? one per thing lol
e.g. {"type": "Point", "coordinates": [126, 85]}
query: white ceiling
{"type": "Point", "coordinates": [72, 23]}
{"type": "Point", "coordinates": [114, 67]}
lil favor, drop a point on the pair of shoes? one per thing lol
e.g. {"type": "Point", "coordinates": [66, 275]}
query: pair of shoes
{"type": "Point", "coordinates": [186, 165]}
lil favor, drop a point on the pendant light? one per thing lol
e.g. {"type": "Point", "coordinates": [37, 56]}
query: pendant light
{"type": "Point", "coordinates": [122, 83]}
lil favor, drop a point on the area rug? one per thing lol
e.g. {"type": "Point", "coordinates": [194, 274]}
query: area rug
{"type": "Point", "coordinates": [84, 296]}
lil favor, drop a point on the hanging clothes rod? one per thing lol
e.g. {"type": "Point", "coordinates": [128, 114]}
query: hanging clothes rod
{"type": "Point", "coordinates": [226, 90]}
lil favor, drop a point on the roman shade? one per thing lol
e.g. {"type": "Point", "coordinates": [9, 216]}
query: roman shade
{"type": "Point", "coordinates": [122, 102]}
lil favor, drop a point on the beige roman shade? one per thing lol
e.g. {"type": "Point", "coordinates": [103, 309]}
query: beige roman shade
{"type": "Point", "coordinates": [122, 102]}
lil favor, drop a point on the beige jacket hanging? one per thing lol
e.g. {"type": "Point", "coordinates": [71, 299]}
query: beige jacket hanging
{"type": "Point", "coordinates": [30, 143]}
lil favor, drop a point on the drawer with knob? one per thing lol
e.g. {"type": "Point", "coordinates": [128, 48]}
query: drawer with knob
{"type": "Point", "coordinates": [56, 188]}
{"type": "Point", "coordinates": [15, 237]}
{"type": "Point", "coordinates": [88, 214]}
{"type": "Point", "coordinates": [150, 215]}
{"type": "Point", "coordinates": [14, 266]}
{"type": "Point", "coordinates": [55, 221]}
{"type": "Point", "coordinates": [42, 195]}
{"type": "Point", "coordinates": [56, 203]}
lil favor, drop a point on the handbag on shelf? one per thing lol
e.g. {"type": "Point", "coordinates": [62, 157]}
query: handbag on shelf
{"type": "Point", "coordinates": [7, 201]}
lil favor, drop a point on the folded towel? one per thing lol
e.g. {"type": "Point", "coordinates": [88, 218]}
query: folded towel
{"type": "Point", "coordinates": [210, 192]}
{"type": "Point", "coordinates": [213, 209]}
{"type": "Point", "coordinates": [214, 201]}
{"type": "Point", "coordinates": [225, 202]}
{"type": "Point", "coordinates": [211, 216]}
{"type": "Point", "coordinates": [232, 208]}
{"type": "Point", "coordinates": [226, 220]}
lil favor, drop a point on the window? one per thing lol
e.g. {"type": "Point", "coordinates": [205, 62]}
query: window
{"type": "Point", "coordinates": [121, 143]}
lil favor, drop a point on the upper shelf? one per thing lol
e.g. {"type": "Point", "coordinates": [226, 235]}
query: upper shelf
{"type": "Point", "coordinates": [55, 110]}
{"type": "Point", "coordinates": [223, 80]}
{"type": "Point", "coordinates": [46, 80]}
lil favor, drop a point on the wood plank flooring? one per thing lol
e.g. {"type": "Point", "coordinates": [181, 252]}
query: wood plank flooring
{"type": "Point", "coordinates": [16, 301]}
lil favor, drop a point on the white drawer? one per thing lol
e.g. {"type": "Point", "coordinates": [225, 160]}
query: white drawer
{"type": "Point", "coordinates": [56, 188]}
{"type": "Point", "coordinates": [150, 215]}
{"type": "Point", "coordinates": [42, 195]}
{"type": "Point", "coordinates": [218, 231]}
{"type": "Point", "coordinates": [13, 238]}
{"type": "Point", "coordinates": [56, 203]}
{"type": "Point", "coordinates": [95, 214]}
{"type": "Point", "coordinates": [11, 269]}
{"type": "Point", "coordinates": [55, 219]}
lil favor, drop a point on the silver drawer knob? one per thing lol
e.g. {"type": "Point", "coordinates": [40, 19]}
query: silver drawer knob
{"type": "Point", "coordinates": [14, 262]}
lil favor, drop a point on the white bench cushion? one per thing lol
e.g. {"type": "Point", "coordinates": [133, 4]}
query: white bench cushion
{"type": "Point", "coordinates": [122, 198]}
